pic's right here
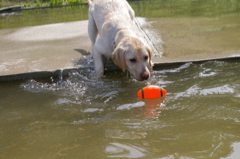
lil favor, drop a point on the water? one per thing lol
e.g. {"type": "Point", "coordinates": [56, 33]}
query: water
{"type": "Point", "coordinates": [147, 8]}
{"type": "Point", "coordinates": [80, 116]}
{"type": "Point", "coordinates": [43, 16]}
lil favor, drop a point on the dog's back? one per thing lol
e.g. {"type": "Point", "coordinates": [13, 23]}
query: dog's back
{"type": "Point", "coordinates": [101, 10]}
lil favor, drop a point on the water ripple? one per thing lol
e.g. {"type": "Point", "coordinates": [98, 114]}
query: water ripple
{"type": "Point", "coordinates": [124, 151]}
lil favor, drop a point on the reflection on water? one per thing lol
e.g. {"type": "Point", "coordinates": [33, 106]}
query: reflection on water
{"type": "Point", "coordinates": [152, 107]}
{"type": "Point", "coordinates": [80, 115]}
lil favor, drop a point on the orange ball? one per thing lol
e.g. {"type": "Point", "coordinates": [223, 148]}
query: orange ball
{"type": "Point", "coordinates": [151, 92]}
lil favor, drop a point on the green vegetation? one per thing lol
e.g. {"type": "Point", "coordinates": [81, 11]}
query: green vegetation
{"type": "Point", "coordinates": [38, 3]}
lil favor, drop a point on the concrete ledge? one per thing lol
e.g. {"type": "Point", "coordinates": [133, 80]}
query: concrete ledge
{"type": "Point", "coordinates": [11, 9]}
{"type": "Point", "coordinates": [35, 75]}
{"type": "Point", "coordinates": [65, 72]}
{"type": "Point", "coordinates": [168, 65]}
{"type": "Point", "coordinates": [44, 51]}
{"type": "Point", "coordinates": [44, 48]}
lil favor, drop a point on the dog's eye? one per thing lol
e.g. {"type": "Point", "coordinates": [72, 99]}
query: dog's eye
{"type": "Point", "coordinates": [133, 60]}
{"type": "Point", "coordinates": [145, 58]}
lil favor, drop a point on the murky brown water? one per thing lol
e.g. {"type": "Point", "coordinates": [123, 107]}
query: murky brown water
{"type": "Point", "coordinates": [82, 117]}
{"type": "Point", "coordinates": [79, 116]}
{"type": "Point", "coordinates": [191, 38]}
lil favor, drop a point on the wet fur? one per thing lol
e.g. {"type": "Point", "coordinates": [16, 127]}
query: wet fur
{"type": "Point", "coordinates": [114, 34]}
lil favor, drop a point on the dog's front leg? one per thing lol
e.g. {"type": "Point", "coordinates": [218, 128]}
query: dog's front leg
{"type": "Point", "coordinates": [98, 63]}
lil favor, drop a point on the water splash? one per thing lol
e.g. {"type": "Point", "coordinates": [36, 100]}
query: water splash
{"type": "Point", "coordinates": [83, 87]}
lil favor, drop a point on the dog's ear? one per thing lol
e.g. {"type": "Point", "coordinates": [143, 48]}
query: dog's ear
{"type": "Point", "coordinates": [150, 54]}
{"type": "Point", "coordinates": [118, 57]}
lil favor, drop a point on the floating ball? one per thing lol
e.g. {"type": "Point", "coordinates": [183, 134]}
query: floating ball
{"type": "Point", "coordinates": [151, 92]}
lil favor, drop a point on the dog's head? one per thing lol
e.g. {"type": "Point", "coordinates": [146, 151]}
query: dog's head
{"type": "Point", "coordinates": [133, 55]}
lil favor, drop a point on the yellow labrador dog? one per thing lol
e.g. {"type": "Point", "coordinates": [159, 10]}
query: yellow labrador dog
{"type": "Point", "coordinates": [118, 38]}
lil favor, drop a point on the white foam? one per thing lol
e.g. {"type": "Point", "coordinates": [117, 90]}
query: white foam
{"type": "Point", "coordinates": [129, 106]}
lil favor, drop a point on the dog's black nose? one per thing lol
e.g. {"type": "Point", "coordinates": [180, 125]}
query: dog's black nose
{"type": "Point", "coordinates": [144, 75]}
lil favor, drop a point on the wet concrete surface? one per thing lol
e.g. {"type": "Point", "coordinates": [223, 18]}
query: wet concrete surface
{"type": "Point", "coordinates": [40, 50]}
{"type": "Point", "coordinates": [198, 38]}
